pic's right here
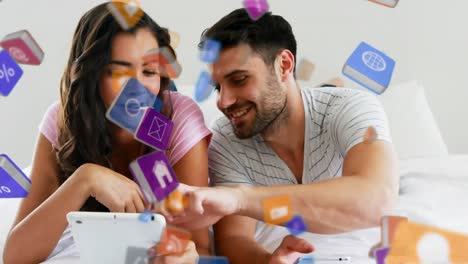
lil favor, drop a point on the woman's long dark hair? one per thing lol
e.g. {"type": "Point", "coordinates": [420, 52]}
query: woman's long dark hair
{"type": "Point", "coordinates": [84, 133]}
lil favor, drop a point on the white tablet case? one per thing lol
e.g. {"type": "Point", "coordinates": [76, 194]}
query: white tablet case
{"type": "Point", "coordinates": [106, 237]}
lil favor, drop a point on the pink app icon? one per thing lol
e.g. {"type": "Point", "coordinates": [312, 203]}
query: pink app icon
{"type": "Point", "coordinates": [23, 48]}
{"type": "Point", "coordinates": [256, 8]}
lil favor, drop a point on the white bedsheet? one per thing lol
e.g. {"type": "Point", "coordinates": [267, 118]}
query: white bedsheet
{"type": "Point", "coordinates": [433, 191]}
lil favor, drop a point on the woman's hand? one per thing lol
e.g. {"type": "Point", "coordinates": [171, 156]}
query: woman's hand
{"type": "Point", "coordinates": [189, 256]}
{"type": "Point", "coordinates": [115, 191]}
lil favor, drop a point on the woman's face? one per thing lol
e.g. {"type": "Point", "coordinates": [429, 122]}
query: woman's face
{"type": "Point", "coordinates": [128, 51]}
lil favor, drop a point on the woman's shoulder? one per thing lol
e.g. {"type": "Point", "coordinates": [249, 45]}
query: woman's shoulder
{"type": "Point", "coordinates": [182, 104]}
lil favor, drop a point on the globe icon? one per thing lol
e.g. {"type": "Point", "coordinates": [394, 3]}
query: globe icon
{"type": "Point", "coordinates": [374, 61]}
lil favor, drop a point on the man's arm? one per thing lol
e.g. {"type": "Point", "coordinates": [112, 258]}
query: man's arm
{"type": "Point", "coordinates": [367, 191]}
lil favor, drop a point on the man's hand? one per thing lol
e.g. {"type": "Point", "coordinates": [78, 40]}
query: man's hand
{"type": "Point", "coordinates": [205, 206]}
{"type": "Point", "coordinates": [291, 249]}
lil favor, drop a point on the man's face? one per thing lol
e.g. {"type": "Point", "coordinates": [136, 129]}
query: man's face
{"type": "Point", "coordinates": [250, 94]}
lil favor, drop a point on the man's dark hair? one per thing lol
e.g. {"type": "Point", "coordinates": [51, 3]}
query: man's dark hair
{"type": "Point", "coordinates": [267, 36]}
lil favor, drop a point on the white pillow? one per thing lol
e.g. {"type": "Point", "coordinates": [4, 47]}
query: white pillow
{"type": "Point", "coordinates": [413, 128]}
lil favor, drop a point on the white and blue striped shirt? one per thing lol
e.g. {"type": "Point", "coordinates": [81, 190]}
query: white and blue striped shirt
{"type": "Point", "coordinates": [335, 120]}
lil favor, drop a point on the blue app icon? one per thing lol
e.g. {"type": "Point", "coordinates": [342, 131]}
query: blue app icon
{"type": "Point", "coordinates": [10, 73]}
{"type": "Point", "coordinates": [129, 107]}
{"type": "Point", "coordinates": [203, 87]}
{"type": "Point", "coordinates": [213, 260]}
{"type": "Point", "coordinates": [370, 68]}
{"type": "Point", "coordinates": [296, 225]}
{"type": "Point", "coordinates": [210, 51]}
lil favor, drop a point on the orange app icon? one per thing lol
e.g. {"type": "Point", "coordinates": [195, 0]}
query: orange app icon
{"type": "Point", "coordinates": [119, 77]}
{"type": "Point", "coordinates": [126, 12]}
{"type": "Point", "coordinates": [277, 210]}
{"type": "Point", "coordinates": [415, 243]}
{"type": "Point", "coordinates": [388, 226]}
{"type": "Point", "coordinates": [164, 59]}
{"type": "Point", "coordinates": [173, 241]}
{"type": "Point", "coordinates": [176, 202]}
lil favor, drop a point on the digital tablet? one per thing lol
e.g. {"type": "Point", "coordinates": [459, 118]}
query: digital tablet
{"type": "Point", "coordinates": [114, 237]}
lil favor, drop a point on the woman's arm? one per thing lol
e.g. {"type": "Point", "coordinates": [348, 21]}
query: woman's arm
{"type": "Point", "coordinates": [192, 169]}
{"type": "Point", "coordinates": [40, 220]}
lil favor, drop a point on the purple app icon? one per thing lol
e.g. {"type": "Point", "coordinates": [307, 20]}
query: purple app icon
{"type": "Point", "coordinates": [155, 176]}
{"type": "Point", "coordinates": [210, 51]}
{"type": "Point", "coordinates": [10, 73]}
{"type": "Point", "coordinates": [154, 129]}
{"type": "Point", "coordinates": [256, 8]}
{"type": "Point", "coordinates": [13, 182]}
{"type": "Point", "coordinates": [296, 225]}
{"type": "Point", "coordinates": [381, 254]}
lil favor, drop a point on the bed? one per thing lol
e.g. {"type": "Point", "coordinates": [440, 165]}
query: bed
{"type": "Point", "coordinates": [433, 183]}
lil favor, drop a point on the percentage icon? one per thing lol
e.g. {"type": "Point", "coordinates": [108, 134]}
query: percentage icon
{"type": "Point", "coordinates": [10, 73]}
{"type": "Point", "coordinates": [6, 73]}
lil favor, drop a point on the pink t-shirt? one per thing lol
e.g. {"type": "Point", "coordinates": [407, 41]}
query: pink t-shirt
{"type": "Point", "coordinates": [189, 126]}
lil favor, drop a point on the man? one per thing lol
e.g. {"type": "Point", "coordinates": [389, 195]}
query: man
{"type": "Point", "coordinates": [277, 139]}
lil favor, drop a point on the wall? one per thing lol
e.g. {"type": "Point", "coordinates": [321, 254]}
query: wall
{"type": "Point", "coordinates": [425, 37]}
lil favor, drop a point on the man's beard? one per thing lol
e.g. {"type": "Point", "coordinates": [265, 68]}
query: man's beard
{"type": "Point", "coordinates": [270, 105]}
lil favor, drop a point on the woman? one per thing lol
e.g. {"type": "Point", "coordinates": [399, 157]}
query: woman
{"type": "Point", "coordinates": [81, 159]}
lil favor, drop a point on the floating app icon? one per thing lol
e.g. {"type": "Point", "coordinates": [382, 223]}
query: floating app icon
{"type": "Point", "coordinates": [381, 254]}
{"type": "Point", "coordinates": [158, 104]}
{"type": "Point", "coordinates": [173, 241]}
{"type": "Point", "coordinates": [126, 12]}
{"type": "Point", "coordinates": [370, 68]}
{"type": "Point", "coordinates": [305, 69]}
{"type": "Point", "coordinates": [307, 259]}
{"type": "Point", "coordinates": [13, 182]}
{"type": "Point", "coordinates": [212, 260]}
{"type": "Point", "coordinates": [154, 129]}
{"type": "Point", "coordinates": [175, 39]}
{"type": "Point", "coordinates": [388, 226]}
{"type": "Point", "coordinates": [146, 216]}
{"type": "Point", "coordinates": [296, 225]}
{"type": "Point", "coordinates": [176, 202]}
{"type": "Point", "coordinates": [417, 243]}
{"type": "Point", "coordinates": [10, 73]}
{"type": "Point", "coordinates": [155, 176]}
{"type": "Point", "coordinates": [127, 109]}
{"type": "Point", "coordinates": [136, 255]}
{"type": "Point", "coordinates": [256, 8]}
{"type": "Point", "coordinates": [210, 51]}
{"type": "Point", "coordinates": [203, 87]}
{"type": "Point", "coordinates": [165, 62]}
{"type": "Point", "coordinates": [277, 210]}
{"type": "Point", "coordinates": [173, 86]}
{"type": "Point", "coordinates": [387, 3]}
{"type": "Point", "coordinates": [121, 76]}
{"type": "Point", "coordinates": [23, 48]}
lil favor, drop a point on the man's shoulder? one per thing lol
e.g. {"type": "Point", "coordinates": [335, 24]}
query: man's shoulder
{"type": "Point", "coordinates": [332, 92]}
{"type": "Point", "coordinates": [329, 99]}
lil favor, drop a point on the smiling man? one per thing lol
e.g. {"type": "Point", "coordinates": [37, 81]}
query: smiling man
{"type": "Point", "coordinates": [278, 139]}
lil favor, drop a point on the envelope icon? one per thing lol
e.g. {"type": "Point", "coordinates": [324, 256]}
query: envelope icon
{"type": "Point", "coordinates": [157, 128]}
